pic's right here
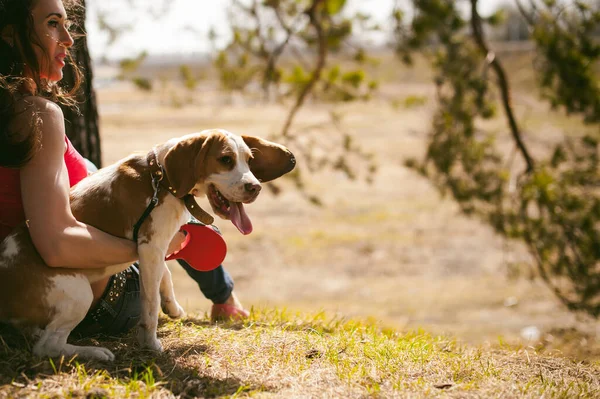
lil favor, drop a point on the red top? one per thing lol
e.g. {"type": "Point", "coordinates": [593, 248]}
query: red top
{"type": "Point", "coordinates": [11, 204]}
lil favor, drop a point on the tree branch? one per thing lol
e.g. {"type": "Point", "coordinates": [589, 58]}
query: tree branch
{"type": "Point", "coordinates": [315, 21]}
{"type": "Point", "coordinates": [478, 34]}
{"type": "Point", "coordinates": [274, 56]}
{"type": "Point", "coordinates": [528, 17]}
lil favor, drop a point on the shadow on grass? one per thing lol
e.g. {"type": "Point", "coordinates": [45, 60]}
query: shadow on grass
{"type": "Point", "coordinates": [20, 370]}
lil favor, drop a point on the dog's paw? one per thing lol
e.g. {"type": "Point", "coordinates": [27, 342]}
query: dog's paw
{"type": "Point", "coordinates": [173, 309]}
{"type": "Point", "coordinates": [153, 344]}
{"type": "Point", "coordinates": [95, 353]}
{"type": "Point", "coordinates": [82, 352]}
{"type": "Point", "coordinates": [148, 340]}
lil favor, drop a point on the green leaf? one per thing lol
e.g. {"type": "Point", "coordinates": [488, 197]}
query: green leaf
{"type": "Point", "coordinates": [334, 6]}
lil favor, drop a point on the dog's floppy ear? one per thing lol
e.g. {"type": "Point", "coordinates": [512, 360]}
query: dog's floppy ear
{"type": "Point", "coordinates": [183, 162]}
{"type": "Point", "coordinates": [270, 160]}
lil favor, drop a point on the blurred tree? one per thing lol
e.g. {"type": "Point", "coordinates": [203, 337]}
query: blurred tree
{"type": "Point", "coordinates": [282, 47]}
{"type": "Point", "coordinates": [286, 46]}
{"type": "Point", "coordinates": [550, 202]}
{"type": "Point", "coordinates": [299, 50]}
{"type": "Point", "coordinates": [82, 122]}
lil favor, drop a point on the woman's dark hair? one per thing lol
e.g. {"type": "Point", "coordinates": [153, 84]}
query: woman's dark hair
{"type": "Point", "coordinates": [19, 68]}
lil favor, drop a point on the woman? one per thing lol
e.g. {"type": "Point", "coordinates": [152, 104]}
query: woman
{"type": "Point", "coordinates": [38, 165]}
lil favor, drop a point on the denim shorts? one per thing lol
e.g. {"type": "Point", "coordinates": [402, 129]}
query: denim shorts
{"type": "Point", "coordinates": [119, 308]}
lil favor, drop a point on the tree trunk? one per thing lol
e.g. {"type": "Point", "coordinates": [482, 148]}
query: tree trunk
{"type": "Point", "coordinates": [82, 124]}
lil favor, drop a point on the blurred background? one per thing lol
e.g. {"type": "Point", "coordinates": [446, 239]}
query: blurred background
{"type": "Point", "coordinates": [447, 151]}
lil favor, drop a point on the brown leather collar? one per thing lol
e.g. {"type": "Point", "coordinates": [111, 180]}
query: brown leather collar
{"type": "Point", "coordinates": [158, 175]}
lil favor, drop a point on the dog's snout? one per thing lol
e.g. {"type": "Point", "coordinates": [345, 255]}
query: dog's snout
{"type": "Point", "coordinates": [252, 188]}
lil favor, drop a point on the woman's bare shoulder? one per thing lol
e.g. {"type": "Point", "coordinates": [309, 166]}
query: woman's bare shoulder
{"type": "Point", "coordinates": [33, 112]}
{"type": "Point", "coordinates": [35, 105]}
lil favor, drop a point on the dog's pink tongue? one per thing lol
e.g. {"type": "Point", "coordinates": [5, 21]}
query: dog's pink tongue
{"type": "Point", "coordinates": [239, 218]}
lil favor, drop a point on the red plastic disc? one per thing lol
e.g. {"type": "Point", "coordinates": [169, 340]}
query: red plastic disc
{"type": "Point", "coordinates": [203, 249]}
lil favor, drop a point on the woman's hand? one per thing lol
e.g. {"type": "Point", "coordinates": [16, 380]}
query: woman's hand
{"type": "Point", "coordinates": [176, 243]}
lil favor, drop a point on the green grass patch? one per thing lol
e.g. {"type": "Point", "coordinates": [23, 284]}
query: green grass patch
{"type": "Point", "coordinates": [277, 353]}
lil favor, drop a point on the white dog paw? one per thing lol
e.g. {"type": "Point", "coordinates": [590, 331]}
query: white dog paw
{"type": "Point", "coordinates": [82, 352]}
{"type": "Point", "coordinates": [173, 310]}
{"type": "Point", "coordinates": [95, 353]}
{"type": "Point", "coordinates": [153, 344]}
{"type": "Point", "coordinates": [148, 340]}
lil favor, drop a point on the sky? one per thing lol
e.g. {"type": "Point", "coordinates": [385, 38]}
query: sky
{"type": "Point", "coordinates": [183, 27]}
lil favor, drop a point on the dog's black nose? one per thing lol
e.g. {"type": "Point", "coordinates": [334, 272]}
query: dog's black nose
{"type": "Point", "coordinates": [252, 188]}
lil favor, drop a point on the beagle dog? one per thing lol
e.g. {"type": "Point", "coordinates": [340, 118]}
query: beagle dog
{"type": "Point", "coordinates": [227, 168]}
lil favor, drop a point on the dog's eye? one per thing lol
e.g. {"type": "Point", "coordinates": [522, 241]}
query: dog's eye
{"type": "Point", "coordinates": [226, 160]}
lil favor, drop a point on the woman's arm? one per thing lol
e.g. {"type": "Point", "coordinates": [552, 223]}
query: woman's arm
{"type": "Point", "coordinates": [61, 240]}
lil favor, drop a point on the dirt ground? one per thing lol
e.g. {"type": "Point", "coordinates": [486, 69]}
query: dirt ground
{"type": "Point", "coordinates": [393, 250]}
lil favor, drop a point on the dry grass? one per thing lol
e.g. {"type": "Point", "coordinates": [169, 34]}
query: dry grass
{"type": "Point", "coordinates": [277, 354]}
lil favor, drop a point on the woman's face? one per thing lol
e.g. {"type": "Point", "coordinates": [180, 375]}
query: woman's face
{"type": "Point", "coordinates": [50, 25]}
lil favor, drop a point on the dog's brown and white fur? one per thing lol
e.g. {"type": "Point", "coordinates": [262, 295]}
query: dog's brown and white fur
{"type": "Point", "coordinates": [225, 167]}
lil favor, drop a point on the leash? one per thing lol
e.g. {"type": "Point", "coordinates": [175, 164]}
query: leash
{"type": "Point", "coordinates": [159, 180]}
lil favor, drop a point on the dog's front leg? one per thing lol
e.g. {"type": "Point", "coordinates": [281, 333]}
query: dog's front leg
{"type": "Point", "coordinates": [168, 303]}
{"type": "Point", "coordinates": [152, 268]}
